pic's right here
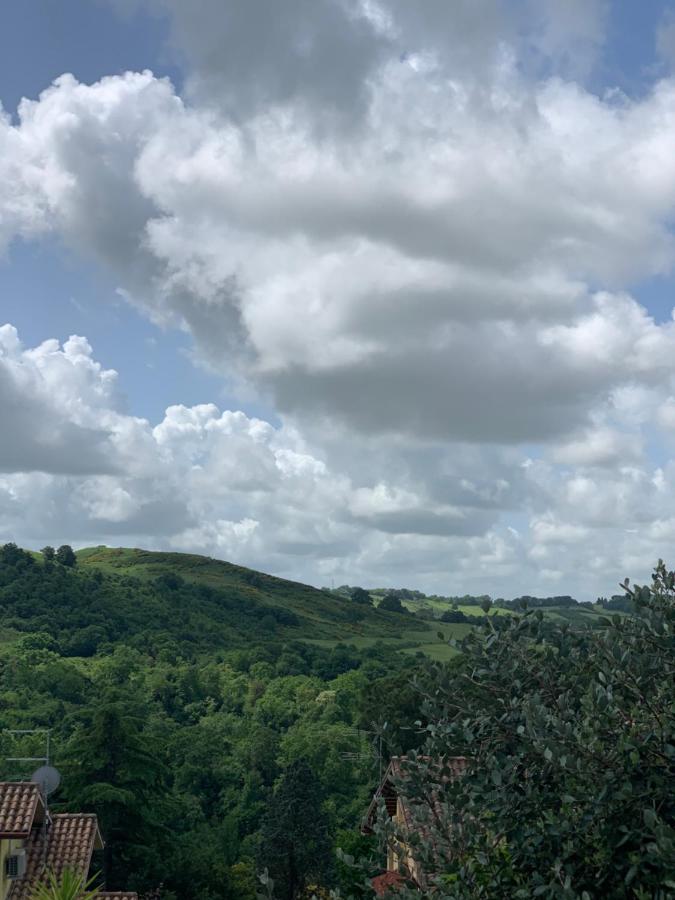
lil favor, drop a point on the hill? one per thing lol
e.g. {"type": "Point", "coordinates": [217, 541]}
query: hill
{"type": "Point", "coordinates": [195, 602]}
{"type": "Point", "coordinates": [182, 691]}
{"type": "Point", "coordinates": [224, 678]}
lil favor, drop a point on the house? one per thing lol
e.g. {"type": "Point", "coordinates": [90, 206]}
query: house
{"type": "Point", "coordinates": [34, 842]}
{"type": "Point", "coordinates": [401, 865]}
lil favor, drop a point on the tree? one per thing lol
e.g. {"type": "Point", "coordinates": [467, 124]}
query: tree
{"type": "Point", "coordinates": [295, 842]}
{"type": "Point", "coordinates": [570, 741]}
{"type": "Point", "coordinates": [453, 615]}
{"type": "Point", "coordinates": [116, 770]}
{"type": "Point", "coordinates": [359, 595]}
{"type": "Point", "coordinates": [48, 553]}
{"type": "Point", "coordinates": [66, 556]}
{"type": "Point", "coordinates": [391, 603]}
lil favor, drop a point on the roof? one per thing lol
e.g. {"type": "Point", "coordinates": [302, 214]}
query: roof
{"type": "Point", "coordinates": [71, 839]}
{"type": "Point", "coordinates": [20, 805]}
{"type": "Point", "coordinates": [396, 774]}
{"type": "Point", "coordinates": [386, 880]}
{"type": "Point", "coordinates": [116, 895]}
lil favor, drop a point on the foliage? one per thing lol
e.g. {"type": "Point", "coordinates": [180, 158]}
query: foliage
{"type": "Point", "coordinates": [295, 843]}
{"type": "Point", "coordinates": [118, 769]}
{"type": "Point", "coordinates": [391, 603]}
{"type": "Point", "coordinates": [570, 736]}
{"type": "Point", "coordinates": [358, 595]}
{"type": "Point", "coordinates": [453, 615]}
{"type": "Point", "coordinates": [65, 555]}
{"type": "Point", "coordinates": [71, 885]}
{"type": "Point", "coordinates": [174, 712]}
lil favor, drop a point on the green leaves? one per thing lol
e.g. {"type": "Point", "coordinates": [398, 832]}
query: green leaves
{"type": "Point", "coordinates": [571, 736]}
{"type": "Point", "coordinates": [71, 885]}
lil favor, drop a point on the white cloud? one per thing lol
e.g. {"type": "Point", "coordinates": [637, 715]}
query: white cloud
{"type": "Point", "coordinates": [413, 245]}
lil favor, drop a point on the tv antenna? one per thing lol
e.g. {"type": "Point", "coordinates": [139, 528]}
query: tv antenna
{"type": "Point", "coordinates": [46, 776]}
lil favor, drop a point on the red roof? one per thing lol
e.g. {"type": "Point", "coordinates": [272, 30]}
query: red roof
{"type": "Point", "coordinates": [71, 839]}
{"type": "Point", "coordinates": [382, 883]}
{"type": "Point", "coordinates": [20, 802]}
{"type": "Point", "coordinates": [116, 895]}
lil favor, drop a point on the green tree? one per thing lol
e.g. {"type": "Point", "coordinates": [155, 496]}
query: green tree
{"type": "Point", "coordinates": [48, 553]}
{"type": "Point", "coordinates": [359, 595]}
{"type": "Point", "coordinates": [295, 842]}
{"type": "Point", "coordinates": [117, 770]}
{"type": "Point", "coordinates": [390, 603]}
{"type": "Point", "coordinates": [66, 556]}
{"type": "Point", "coordinates": [570, 741]}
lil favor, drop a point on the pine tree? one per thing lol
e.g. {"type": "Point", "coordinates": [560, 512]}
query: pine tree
{"type": "Point", "coordinates": [296, 846]}
{"type": "Point", "coordinates": [116, 771]}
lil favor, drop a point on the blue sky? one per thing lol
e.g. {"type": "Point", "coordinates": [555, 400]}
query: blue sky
{"type": "Point", "coordinates": [409, 258]}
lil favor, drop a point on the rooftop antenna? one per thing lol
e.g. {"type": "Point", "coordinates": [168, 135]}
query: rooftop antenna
{"type": "Point", "coordinates": [45, 776]}
{"type": "Point", "coordinates": [375, 747]}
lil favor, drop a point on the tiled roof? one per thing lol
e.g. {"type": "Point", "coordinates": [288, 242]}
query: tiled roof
{"type": "Point", "coordinates": [71, 840]}
{"type": "Point", "coordinates": [386, 880]}
{"type": "Point", "coordinates": [116, 895]}
{"type": "Point", "coordinates": [19, 802]}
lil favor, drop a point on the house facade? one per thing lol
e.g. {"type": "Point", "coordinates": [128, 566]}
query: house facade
{"type": "Point", "coordinates": [401, 865]}
{"type": "Point", "coordinates": [33, 842]}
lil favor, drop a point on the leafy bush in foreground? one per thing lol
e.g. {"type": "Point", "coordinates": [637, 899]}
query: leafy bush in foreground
{"type": "Point", "coordinates": [571, 740]}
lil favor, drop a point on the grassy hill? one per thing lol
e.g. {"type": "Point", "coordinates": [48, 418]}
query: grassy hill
{"type": "Point", "coordinates": [126, 595]}
{"type": "Point", "coordinates": [323, 616]}
{"type": "Point", "coordinates": [317, 609]}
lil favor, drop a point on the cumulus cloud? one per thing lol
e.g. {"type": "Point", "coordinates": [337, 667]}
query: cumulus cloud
{"type": "Point", "coordinates": [415, 235]}
{"type": "Point", "coordinates": [44, 409]}
{"type": "Point", "coordinates": [443, 290]}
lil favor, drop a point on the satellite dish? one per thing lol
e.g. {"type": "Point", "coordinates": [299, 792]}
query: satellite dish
{"type": "Point", "coordinates": [48, 778]}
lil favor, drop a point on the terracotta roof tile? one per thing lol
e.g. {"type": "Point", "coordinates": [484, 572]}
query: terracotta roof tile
{"type": "Point", "coordinates": [19, 802]}
{"type": "Point", "coordinates": [71, 840]}
{"type": "Point", "coordinates": [116, 895]}
{"type": "Point", "coordinates": [386, 880]}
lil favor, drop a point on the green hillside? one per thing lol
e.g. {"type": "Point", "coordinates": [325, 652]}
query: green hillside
{"type": "Point", "coordinates": [197, 694]}
{"type": "Point", "coordinates": [317, 609]}
{"type": "Point", "coordinates": [324, 618]}
{"type": "Point", "coordinates": [222, 681]}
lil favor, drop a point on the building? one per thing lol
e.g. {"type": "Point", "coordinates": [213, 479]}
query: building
{"type": "Point", "coordinates": [33, 842]}
{"type": "Point", "coordinates": [401, 867]}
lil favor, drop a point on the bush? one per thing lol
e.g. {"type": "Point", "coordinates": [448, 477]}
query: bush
{"type": "Point", "coordinates": [570, 742]}
{"type": "Point", "coordinates": [390, 603]}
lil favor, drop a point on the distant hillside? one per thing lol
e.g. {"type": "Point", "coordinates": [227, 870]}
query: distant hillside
{"type": "Point", "coordinates": [194, 603]}
{"type": "Point", "coordinates": [315, 607]}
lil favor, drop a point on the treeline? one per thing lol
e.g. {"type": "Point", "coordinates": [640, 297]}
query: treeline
{"type": "Point", "coordinates": [479, 600]}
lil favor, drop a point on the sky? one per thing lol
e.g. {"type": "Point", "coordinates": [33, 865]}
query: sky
{"type": "Point", "coordinates": [348, 291]}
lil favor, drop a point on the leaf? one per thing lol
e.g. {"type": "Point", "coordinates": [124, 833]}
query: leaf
{"type": "Point", "coordinates": [649, 817]}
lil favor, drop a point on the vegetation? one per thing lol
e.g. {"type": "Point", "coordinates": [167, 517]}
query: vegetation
{"type": "Point", "coordinates": [295, 843]}
{"type": "Point", "coordinates": [69, 886]}
{"type": "Point", "coordinates": [190, 699]}
{"type": "Point", "coordinates": [570, 737]}
{"type": "Point", "coordinates": [184, 696]}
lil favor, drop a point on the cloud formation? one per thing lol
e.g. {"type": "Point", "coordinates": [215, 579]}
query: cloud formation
{"type": "Point", "coordinates": [415, 236]}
